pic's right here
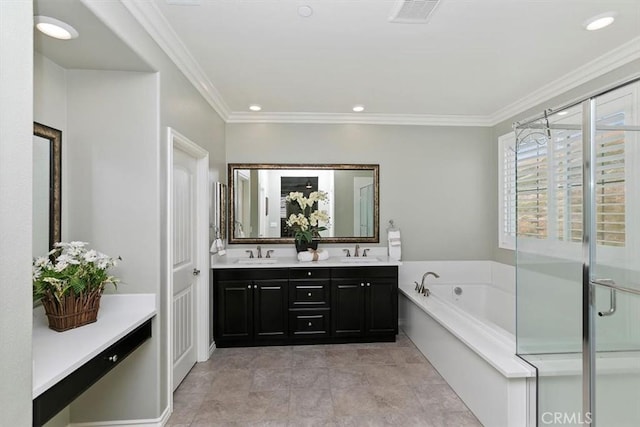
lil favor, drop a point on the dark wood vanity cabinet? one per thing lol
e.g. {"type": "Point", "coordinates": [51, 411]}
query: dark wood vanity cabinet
{"type": "Point", "coordinates": [271, 306]}
{"type": "Point", "coordinates": [365, 302]}
{"type": "Point", "coordinates": [309, 303]}
{"type": "Point", "coordinates": [250, 306]}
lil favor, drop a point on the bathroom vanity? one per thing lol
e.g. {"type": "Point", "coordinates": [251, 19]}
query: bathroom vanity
{"type": "Point", "coordinates": [304, 303]}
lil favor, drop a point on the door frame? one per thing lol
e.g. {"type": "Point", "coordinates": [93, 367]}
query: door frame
{"type": "Point", "coordinates": [178, 141]}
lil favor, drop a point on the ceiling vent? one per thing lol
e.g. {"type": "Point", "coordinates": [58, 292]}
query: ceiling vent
{"type": "Point", "coordinates": [413, 11]}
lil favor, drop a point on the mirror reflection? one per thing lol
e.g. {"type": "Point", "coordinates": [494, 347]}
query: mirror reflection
{"type": "Point", "coordinates": [47, 143]}
{"type": "Point", "coordinates": [259, 208]}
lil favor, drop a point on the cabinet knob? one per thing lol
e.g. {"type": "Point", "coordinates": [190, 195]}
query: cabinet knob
{"type": "Point", "coordinates": [113, 358]}
{"type": "Point", "coordinates": [308, 273]}
{"type": "Point", "coordinates": [362, 284]}
{"type": "Point", "coordinates": [368, 284]}
{"type": "Point", "coordinates": [248, 286]}
{"type": "Point", "coordinates": [309, 294]}
{"type": "Point", "coordinates": [310, 323]}
{"type": "Point", "coordinates": [255, 286]}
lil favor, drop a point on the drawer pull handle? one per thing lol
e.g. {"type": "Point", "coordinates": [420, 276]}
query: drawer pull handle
{"type": "Point", "coordinates": [309, 294]}
{"type": "Point", "coordinates": [113, 358]}
{"type": "Point", "coordinates": [310, 323]}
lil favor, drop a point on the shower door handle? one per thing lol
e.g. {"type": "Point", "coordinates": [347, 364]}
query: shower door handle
{"type": "Point", "coordinates": [612, 295]}
{"type": "Point", "coordinates": [612, 304]}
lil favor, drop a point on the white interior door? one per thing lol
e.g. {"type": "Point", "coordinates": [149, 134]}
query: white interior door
{"type": "Point", "coordinates": [185, 270]}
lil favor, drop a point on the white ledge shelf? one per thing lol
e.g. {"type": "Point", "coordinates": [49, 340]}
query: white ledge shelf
{"type": "Point", "coordinates": [58, 354]}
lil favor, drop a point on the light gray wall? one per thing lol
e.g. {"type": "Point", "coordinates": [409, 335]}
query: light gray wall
{"type": "Point", "coordinates": [182, 108]}
{"type": "Point", "coordinates": [113, 201]}
{"type": "Point", "coordinates": [50, 108]}
{"type": "Point", "coordinates": [434, 181]}
{"type": "Point", "coordinates": [16, 129]}
{"type": "Point", "coordinates": [618, 75]}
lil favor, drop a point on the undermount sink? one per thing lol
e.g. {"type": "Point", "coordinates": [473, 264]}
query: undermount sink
{"type": "Point", "coordinates": [257, 261]}
{"type": "Point", "coordinates": [359, 260]}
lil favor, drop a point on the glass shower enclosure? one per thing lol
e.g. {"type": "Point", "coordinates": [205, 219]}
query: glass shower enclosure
{"type": "Point", "coordinates": [577, 226]}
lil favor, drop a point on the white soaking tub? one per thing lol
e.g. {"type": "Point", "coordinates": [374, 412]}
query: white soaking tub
{"type": "Point", "coordinates": [466, 330]}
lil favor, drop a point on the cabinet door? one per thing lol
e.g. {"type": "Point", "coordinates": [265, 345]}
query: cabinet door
{"type": "Point", "coordinates": [347, 305]}
{"type": "Point", "coordinates": [234, 310]}
{"type": "Point", "coordinates": [271, 313]}
{"type": "Point", "coordinates": [381, 306]}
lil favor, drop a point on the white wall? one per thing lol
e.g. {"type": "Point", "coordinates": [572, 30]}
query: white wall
{"type": "Point", "coordinates": [16, 129]}
{"type": "Point", "coordinates": [434, 181]}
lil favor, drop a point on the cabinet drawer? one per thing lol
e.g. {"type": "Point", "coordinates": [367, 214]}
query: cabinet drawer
{"type": "Point", "coordinates": [364, 272]}
{"type": "Point", "coordinates": [309, 273]}
{"type": "Point", "coordinates": [309, 294]}
{"type": "Point", "coordinates": [309, 323]}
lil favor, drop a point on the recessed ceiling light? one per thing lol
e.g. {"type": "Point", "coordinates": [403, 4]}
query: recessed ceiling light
{"type": "Point", "coordinates": [305, 11]}
{"type": "Point", "coordinates": [55, 28]}
{"type": "Point", "coordinates": [255, 107]}
{"type": "Point", "coordinates": [358, 108]}
{"type": "Point", "coordinates": [598, 22]}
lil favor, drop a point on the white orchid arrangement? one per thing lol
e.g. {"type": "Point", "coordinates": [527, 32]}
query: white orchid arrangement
{"type": "Point", "coordinates": [71, 268]}
{"type": "Point", "coordinates": [306, 224]}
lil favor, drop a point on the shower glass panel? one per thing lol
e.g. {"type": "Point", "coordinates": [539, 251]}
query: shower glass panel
{"type": "Point", "coordinates": [549, 217]}
{"type": "Point", "coordinates": [616, 259]}
{"type": "Point", "coordinates": [567, 223]}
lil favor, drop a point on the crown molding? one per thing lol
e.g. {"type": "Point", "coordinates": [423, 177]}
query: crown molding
{"type": "Point", "coordinates": [616, 58]}
{"type": "Point", "coordinates": [154, 22]}
{"type": "Point", "coordinates": [360, 118]}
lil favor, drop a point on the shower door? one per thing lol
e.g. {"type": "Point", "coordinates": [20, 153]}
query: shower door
{"type": "Point", "coordinates": [578, 259]}
{"type": "Point", "coordinates": [615, 257]}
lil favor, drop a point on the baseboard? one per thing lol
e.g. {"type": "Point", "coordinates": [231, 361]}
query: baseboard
{"type": "Point", "coordinates": [155, 422]}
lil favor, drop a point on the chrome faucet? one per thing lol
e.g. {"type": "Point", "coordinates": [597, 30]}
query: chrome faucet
{"type": "Point", "coordinates": [356, 253]}
{"type": "Point", "coordinates": [421, 288]}
{"type": "Point", "coordinates": [259, 249]}
{"type": "Point", "coordinates": [269, 252]}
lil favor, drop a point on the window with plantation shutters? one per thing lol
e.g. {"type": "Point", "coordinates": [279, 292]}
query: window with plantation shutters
{"type": "Point", "coordinates": [542, 177]}
{"type": "Point", "coordinates": [507, 191]}
{"type": "Point", "coordinates": [532, 188]}
{"type": "Point", "coordinates": [610, 183]}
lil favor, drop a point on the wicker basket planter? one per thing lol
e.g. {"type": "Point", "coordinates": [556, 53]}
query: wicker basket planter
{"type": "Point", "coordinates": [72, 311]}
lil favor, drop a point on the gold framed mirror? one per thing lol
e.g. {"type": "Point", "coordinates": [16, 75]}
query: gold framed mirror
{"type": "Point", "coordinates": [258, 208]}
{"type": "Point", "coordinates": [47, 188]}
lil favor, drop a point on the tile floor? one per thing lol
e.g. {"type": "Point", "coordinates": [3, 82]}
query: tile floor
{"type": "Point", "coordinates": [378, 384]}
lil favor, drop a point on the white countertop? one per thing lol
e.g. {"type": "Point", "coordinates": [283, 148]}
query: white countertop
{"type": "Point", "coordinates": [58, 354]}
{"type": "Point", "coordinates": [287, 262]}
{"type": "Point", "coordinates": [286, 257]}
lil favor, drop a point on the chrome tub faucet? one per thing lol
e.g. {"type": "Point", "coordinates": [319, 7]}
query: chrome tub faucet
{"type": "Point", "coordinates": [421, 288]}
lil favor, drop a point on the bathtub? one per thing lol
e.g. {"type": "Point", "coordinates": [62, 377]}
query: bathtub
{"type": "Point", "coordinates": [466, 330]}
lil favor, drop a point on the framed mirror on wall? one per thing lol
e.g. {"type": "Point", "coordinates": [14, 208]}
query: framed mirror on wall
{"type": "Point", "coordinates": [218, 211]}
{"type": "Point", "coordinates": [258, 208]}
{"type": "Point", "coordinates": [47, 188]}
